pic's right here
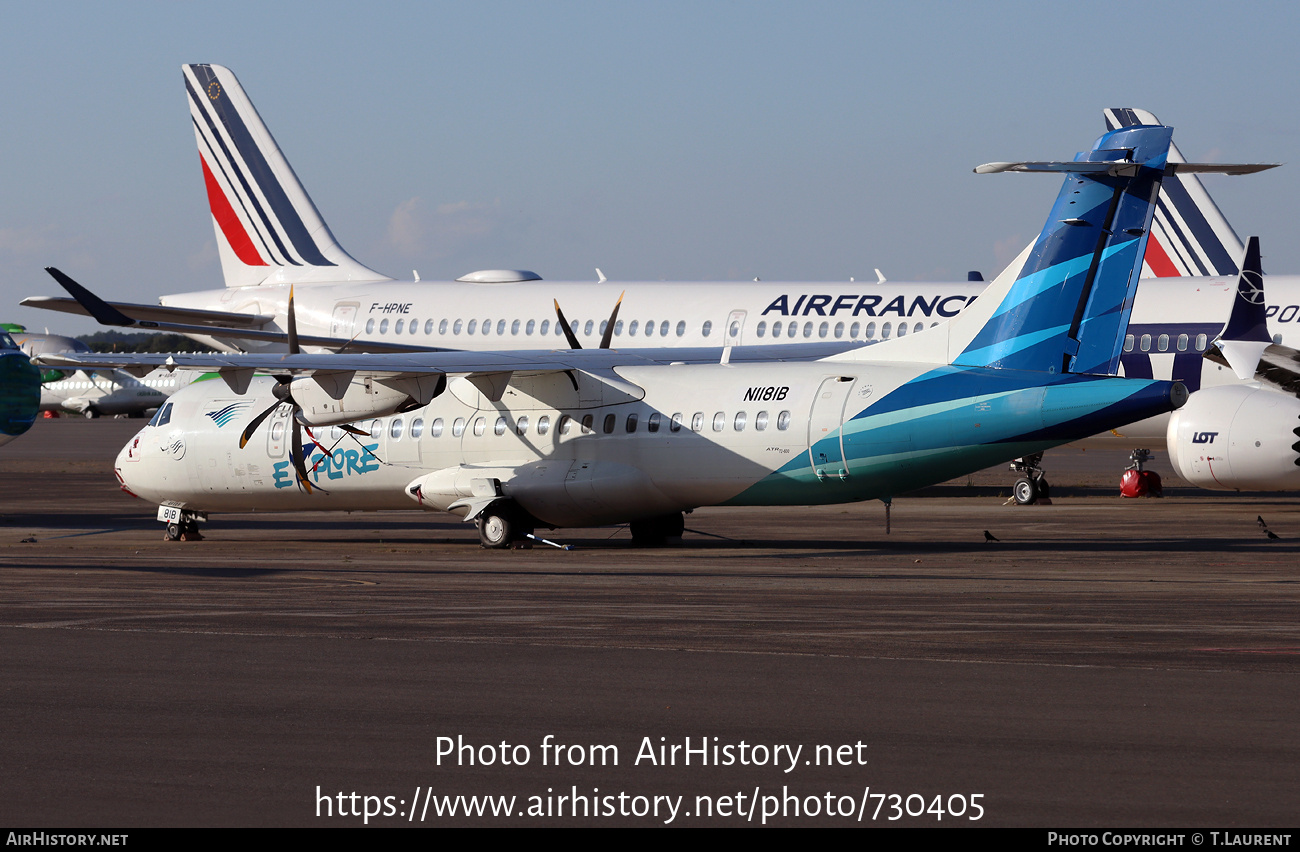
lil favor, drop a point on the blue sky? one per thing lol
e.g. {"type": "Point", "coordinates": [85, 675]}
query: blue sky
{"type": "Point", "coordinates": [703, 141]}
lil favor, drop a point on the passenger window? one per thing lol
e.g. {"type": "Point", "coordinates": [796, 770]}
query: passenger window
{"type": "Point", "coordinates": [521, 425]}
{"type": "Point", "coordinates": [499, 428]}
{"type": "Point", "coordinates": [610, 420]}
{"type": "Point", "coordinates": [760, 421]}
{"type": "Point", "coordinates": [652, 425]}
{"type": "Point", "coordinates": [480, 426]}
{"type": "Point", "coordinates": [1201, 340]}
{"type": "Point", "coordinates": [871, 331]}
{"type": "Point", "coordinates": [1182, 343]}
{"type": "Point", "coordinates": [501, 327]}
{"type": "Point", "coordinates": [487, 326]}
{"type": "Point", "coordinates": [1162, 342]}
{"type": "Point", "coordinates": [376, 428]}
{"type": "Point", "coordinates": [395, 428]}
{"type": "Point", "coordinates": [472, 327]}
{"type": "Point", "coordinates": [458, 427]}
{"type": "Point", "coordinates": [587, 421]}
{"type": "Point", "coordinates": [739, 423]}
{"type": "Point", "coordinates": [761, 328]}
{"type": "Point", "coordinates": [649, 328]}
{"type": "Point", "coordinates": [370, 326]}
{"type": "Point", "coordinates": [543, 424]}
{"type": "Point", "coordinates": [719, 421]}
{"type": "Point", "coordinates": [632, 327]}
{"type": "Point", "coordinates": [514, 327]}
{"type": "Point", "coordinates": [618, 329]}
{"type": "Point", "coordinates": [783, 421]}
{"type": "Point", "coordinates": [885, 330]}
{"type": "Point", "coordinates": [383, 326]}
{"type": "Point", "coordinates": [853, 330]}
{"type": "Point", "coordinates": [435, 428]}
{"type": "Point", "coordinates": [697, 422]}
{"type": "Point", "coordinates": [546, 327]}
{"type": "Point", "coordinates": [708, 327]}
{"type": "Point", "coordinates": [663, 328]}
{"type": "Point", "coordinates": [807, 329]}
{"type": "Point", "coordinates": [920, 326]}
{"type": "Point", "coordinates": [417, 428]}
{"type": "Point", "coordinates": [1128, 343]}
{"type": "Point", "coordinates": [675, 424]}
{"type": "Point", "coordinates": [823, 329]}
{"type": "Point", "coordinates": [397, 329]}
{"type": "Point", "coordinates": [631, 423]}
{"type": "Point", "coordinates": [442, 327]}
{"type": "Point", "coordinates": [530, 327]}
{"type": "Point", "coordinates": [428, 327]}
{"type": "Point", "coordinates": [681, 327]}
{"type": "Point", "coordinates": [587, 329]}
{"type": "Point", "coordinates": [902, 329]}
{"type": "Point", "coordinates": [1145, 343]}
{"type": "Point", "coordinates": [565, 422]}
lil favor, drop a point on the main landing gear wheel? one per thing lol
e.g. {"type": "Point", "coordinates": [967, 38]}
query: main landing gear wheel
{"type": "Point", "coordinates": [90, 414]}
{"type": "Point", "coordinates": [1032, 487]}
{"type": "Point", "coordinates": [656, 531]}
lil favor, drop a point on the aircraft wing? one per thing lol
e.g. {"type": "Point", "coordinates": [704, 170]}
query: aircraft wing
{"type": "Point", "coordinates": [455, 362]}
{"type": "Point", "coordinates": [223, 325]}
{"type": "Point", "coordinates": [148, 316]}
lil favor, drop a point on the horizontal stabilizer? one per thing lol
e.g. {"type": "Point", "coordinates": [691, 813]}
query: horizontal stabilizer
{"type": "Point", "coordinates": [1123, 167]}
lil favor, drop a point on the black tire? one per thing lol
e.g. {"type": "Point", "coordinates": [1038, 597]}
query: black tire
{"type": "Point", "coordinates": [655, 532]}
{"type": "Point", "coordinates": [497, 528]}
{"type": "Point", "coordinates": [90, 414]}
{"type": "Point", "coordinates": [173, 532]}
{"type": "Point", "coordinates": [1025, 491]}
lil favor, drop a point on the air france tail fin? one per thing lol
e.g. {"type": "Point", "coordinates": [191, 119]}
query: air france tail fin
{"type": "Point", "coordinates": [268, 229]}
{"type": "Point", "coordinates": [1189, 235]}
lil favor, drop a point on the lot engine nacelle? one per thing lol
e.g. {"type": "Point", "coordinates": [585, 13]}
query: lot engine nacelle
{"type": "Point", "coordinates": [1237, 438]}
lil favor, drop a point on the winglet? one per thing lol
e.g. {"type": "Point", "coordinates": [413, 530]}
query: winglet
{"type": "Point", "coordinates": [1245, 336]}
{"type": "Point", "coordinates": [102, 311]}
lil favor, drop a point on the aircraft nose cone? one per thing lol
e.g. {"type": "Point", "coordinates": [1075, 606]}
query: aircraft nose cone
{"type": "Point", "coordinates": [127, 465]}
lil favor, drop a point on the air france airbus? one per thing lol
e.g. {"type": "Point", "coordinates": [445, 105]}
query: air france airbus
{"type": "Point", "coordinates": [519, 439]}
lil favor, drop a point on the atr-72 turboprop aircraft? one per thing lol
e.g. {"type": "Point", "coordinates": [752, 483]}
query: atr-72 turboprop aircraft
{"type": "Point", "coordinates": [514, 440]}
{"type": "Point", "coordinates": [271, 237]}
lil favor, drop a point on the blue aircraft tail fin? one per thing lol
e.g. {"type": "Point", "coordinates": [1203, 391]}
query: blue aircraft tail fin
{"type": "Point", "coordinates": [1067, 307]}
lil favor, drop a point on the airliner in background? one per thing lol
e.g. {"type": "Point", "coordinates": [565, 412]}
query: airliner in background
{"type": "Point", "coordinates": [96, 392]}
{"type": "Point", "coordinates": [271, 239]}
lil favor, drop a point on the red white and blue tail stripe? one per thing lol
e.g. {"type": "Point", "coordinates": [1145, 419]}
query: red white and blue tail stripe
{"type": "Point", "coordinates": [268, 229]}
{"type": "Point", "coordinates": [1189, 236]}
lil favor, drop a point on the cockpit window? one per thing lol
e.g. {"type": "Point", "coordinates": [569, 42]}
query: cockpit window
{"type": "Point", "coordinates": [7, 342]}
{"type": "Point", "coordinates": [162, 416]}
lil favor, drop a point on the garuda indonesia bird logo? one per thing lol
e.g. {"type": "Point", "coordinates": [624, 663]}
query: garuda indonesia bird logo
{"type": "Point", "coordinates": [222, 416]}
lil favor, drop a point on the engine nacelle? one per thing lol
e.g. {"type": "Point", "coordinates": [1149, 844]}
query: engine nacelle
{"type": "Point", "coordinates": [328, 400]}
{"type": "Point", "coordinates": [1236, 438]}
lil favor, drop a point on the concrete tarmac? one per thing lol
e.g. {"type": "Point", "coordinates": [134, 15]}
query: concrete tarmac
{"type": "Point", "coordinates": [1107, 663]}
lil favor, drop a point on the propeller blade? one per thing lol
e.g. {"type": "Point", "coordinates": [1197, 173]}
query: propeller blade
{"type": "Point", "coordinates": [609, 326]}
{"type": "Point", "coordinates": [292, 322]}
{"type": "Point", "coordinates": [347, 427]}
{"type": "Point", "coordinates": [295, 455]}
{"type": "Point", "coordinates": [257, 421]}
{"type": "Point", "coordinates": [564, 324]}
